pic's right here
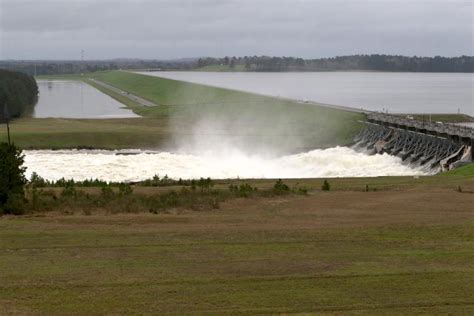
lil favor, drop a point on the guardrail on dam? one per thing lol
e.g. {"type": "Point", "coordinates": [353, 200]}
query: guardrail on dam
{"type": "Point", "coordinates": [435, 145]}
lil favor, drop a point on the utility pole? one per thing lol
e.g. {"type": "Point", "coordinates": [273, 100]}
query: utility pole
{"type": "Point", "coordinates": [82, 62]}
{"type": "Point", "coordinates": [7, 118]}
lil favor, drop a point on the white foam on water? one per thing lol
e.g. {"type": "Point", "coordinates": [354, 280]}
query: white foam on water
{"type": "Point", "coordinates": [115, 166]}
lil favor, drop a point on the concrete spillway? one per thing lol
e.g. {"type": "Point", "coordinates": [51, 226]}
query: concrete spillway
{"type": "Point", "coordinates": [434, 145]}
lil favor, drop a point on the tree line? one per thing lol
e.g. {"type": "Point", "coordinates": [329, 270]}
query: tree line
{"type": "Point", "coordinates": [373, 62]}
{"type": "Point", "coordinates": [355, 62]}
{"type": "Point", "coordinates": [62, 67]}
{"type": "Point", "coordinates": [18, 91]}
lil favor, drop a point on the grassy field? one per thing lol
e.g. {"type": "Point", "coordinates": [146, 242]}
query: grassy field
{"type": "Point", "coordinates": [52, 133]}
{"type": "Point", "coordinates": [386, 245]}
{"type": "Point", "coordinates": [193, 110]}
{"type": "Point", "coordinates": [406, 248]}
{"type": "Point", "coordinates": [465, 171]}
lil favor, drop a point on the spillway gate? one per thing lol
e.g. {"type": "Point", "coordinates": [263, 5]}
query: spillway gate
{"type": "Point", "coordinates": [437, 146]}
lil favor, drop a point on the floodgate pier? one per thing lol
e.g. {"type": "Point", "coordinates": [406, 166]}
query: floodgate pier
{"type": "Point", "coordinates": [436, 145]}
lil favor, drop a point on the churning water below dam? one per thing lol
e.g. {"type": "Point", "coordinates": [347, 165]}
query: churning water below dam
{"type": "Point", "coordinates": [136, 165]}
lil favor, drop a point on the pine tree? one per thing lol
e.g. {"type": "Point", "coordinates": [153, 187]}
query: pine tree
{"type": "Point", "coordinates": [12, 179]}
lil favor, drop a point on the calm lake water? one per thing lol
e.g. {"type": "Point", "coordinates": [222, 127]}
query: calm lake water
{"type": "Point", "coordinates": [376, 91]}
{"type": "Point", "coordinates": [75, 99]}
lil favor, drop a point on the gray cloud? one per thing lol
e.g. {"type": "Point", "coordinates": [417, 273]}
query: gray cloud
{"type": "Point", "coordinates": [54, 29]}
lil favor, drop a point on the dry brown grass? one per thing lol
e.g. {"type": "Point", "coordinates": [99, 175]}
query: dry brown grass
{"type": "Point", "coordinates": [403, 250]}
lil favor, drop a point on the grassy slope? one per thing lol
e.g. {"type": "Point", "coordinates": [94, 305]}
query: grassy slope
{"type": "Point", "coordinates": [241, 117]}
{"type": "Point", "coordinates": [400, 251]}
{"type": "Point", "coordinates": [262, 119]}
{"type": "Point", "coordinates": [465, 171]}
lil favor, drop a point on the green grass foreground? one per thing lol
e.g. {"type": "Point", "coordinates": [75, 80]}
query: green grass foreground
{"type": "Point", "coordinates": [464, 171]}
{"type": "Point", "coordinates": [56, 133]}
{"type": "Point", "coordinates": [404, 247]}
{"type": "Point", "coordinates": [187, 111]}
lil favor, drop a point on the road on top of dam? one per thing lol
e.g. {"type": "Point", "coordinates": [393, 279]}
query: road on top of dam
{"type": "Point", "coordinates": [126, 94]}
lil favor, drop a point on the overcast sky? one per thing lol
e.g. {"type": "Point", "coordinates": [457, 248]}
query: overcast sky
{"type": "Point", "coordinates": [167, 29]}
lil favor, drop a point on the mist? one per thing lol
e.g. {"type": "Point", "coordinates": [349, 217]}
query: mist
{"type": "Point", "coordinates": [113, 166]}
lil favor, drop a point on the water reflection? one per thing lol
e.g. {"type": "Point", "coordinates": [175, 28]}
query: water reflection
{"type": "Point", "coordinates": [76, 99]}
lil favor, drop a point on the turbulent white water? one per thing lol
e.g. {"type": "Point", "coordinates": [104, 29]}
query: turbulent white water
{"type": "Point", "coordinates": [115, 166]}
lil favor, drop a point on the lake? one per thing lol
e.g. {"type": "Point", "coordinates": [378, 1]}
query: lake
{"type": "Point", "coordinates": [376, 91]}
{"type": "Point", "coordinates": [76, 99]}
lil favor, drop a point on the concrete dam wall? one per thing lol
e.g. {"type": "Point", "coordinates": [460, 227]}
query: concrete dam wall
{"type": "Point", "coordinates": [434, 145]}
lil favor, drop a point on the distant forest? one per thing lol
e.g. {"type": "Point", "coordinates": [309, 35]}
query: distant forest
{"type": "Point", "coordinates": [253, 63]}
{"type": "Point", "coordinates": [19, 91]}
{"type": "Point", "coordinates": [62, 67]}
{"type": "Point", "coordinates": [356, 62]}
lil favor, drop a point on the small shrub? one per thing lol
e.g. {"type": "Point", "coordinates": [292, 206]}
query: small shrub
{"type": "Point", "coordinates": [69, 189]}
{"type": "Point", "coordinates": [244, 190]}
{"type": "Point", "coordinates": [156, 181]}
{"type": "Point", "coordinates": [205, 184]}
{"type": "Point", "coordinates": [299, 190]}
{"type": "Point", "coordinates": [36, 181]}
{"type": "Point", "coordinates": [302, 191]}
{"type": "Point", "coordinates": [125, 189]}
{"type": "Point", "coordinates": [35, 198]}
{"type": "Point", "coordinates": [61, 183]}
{"type": "Point", "coordinates": [40, 200]}
{"type": "Point", "coordinates": [326, 186]}
{"type": "Point", "coordinates": [15, 205]}
{"type": "Point", "coordinates": [107, 192]}
{"type": "Point", "coordinates": [280, 187]}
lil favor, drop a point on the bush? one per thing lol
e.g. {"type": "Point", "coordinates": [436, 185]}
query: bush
{"type": "Point", "coordinates": [12, 180]}
{"type": "Point", "coordinates": [36, 181]}
{"type": "Point", "coordinates": [125, 189]}
{"type": "Point", "coordinates": [15, 205]}
{"type": "Point", "coordinates": [280, 187]}
{"type": "Point", "coordinates": [69, 190]}
{"type": "Point", "coordinates": [205, 184]}
{"type": "Point", "coordinates": [301, 191]}
{"type": "Point", "coordinates": [244, 190]}
{"type": "Point", "coordinates": [326, 186]}
{"type": "Point", "coordinates": [156, 181]}
{"type": "Point", "coordinates": [107, 192]}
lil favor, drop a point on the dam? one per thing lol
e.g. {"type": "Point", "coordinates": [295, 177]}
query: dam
{"type": "Point", "coordinates": [435, 145]}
